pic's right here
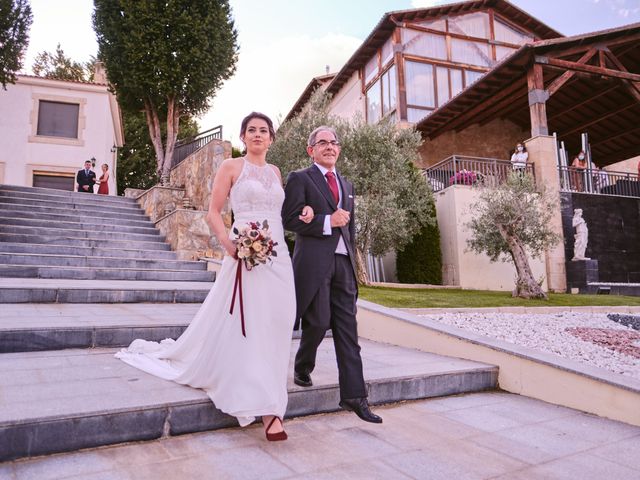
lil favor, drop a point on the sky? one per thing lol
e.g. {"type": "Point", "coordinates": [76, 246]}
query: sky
{"type": "Point", "coordinates": [284, 43]}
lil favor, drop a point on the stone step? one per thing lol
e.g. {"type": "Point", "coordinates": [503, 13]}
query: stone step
{"type": "Point", "coordinates": [51, 260]}
{"type": "Point", "coordinates": [87, 398]}
{"type": "Point", "coordinates": [38, 327]}
{"type": "Point", "coordinates": [6, 247]}
{"type": "Point", "coordinates": [82, 234]}
{"type": "Point", "coordinates": [53, 237]}
{"type": "Point", "coordinates": [74, 218]}
{"type": "Point", "coordinates": [71, 204]}
{"type": "Point", "coordinates": [42, 290]}
{"type": "Point", "coordinates": [93, 273]}
{"type": "Point", "coordinates": [85, 223]}
{"type": "Point", "coordinates": [50, 193]}
{"type": "Point", "coordinates": [71, 211]}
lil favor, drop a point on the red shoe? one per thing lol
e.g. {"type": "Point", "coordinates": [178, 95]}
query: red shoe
{"type": "Point", "coordinates": [275, 437]}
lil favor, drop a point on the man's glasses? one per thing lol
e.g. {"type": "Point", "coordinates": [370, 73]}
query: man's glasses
{"type": "Point", "coordinates": [324, 143]}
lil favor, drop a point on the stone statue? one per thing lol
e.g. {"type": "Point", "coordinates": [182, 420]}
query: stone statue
{"type": "Point", "coordinates": [581, 237]}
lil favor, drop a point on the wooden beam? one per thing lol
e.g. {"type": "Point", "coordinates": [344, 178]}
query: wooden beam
{"type": "Point", "coordinates": [584, 102]}
{"type": "Point", "coordinates": [581, 128]}
{"type": "Point", "coordinates": [402, 85]}
{"type": "Point", "coordinates": [537, 101]}
{"type": "Point", "coordinates": [566, 76]}
{"type": "Point", "coordinates": [615, 137]}
{"type": "Point", "coordinates": [632, 88]}
{"type": "Point", "coordinates": [580, 67]}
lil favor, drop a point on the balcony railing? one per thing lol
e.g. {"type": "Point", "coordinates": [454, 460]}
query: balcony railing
{"type": "Point", "coordinates": [599, 182]}
{"type": "Point", "coordinates": [186, 147]}
{"type": "Point", "coordinates": [464, 170]}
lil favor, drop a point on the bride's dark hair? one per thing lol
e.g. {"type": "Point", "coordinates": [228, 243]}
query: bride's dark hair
{"type": "Point", "coordinates": [261, 116]}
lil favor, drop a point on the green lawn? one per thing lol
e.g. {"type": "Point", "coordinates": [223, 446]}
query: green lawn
{"type": "Point", "coordinates": [446, 298]}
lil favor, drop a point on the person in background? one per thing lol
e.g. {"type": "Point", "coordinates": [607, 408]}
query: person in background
{"type": "Point", "coordinates": [86, 178]}
{"type": "Point", "coordinates": [579, 165]}
{"type": "Point", "coordinates": [103, 181]}
{"type": "Point", "coordinates": [519, 159]}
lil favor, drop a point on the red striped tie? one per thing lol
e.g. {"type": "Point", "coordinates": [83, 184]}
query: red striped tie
{"type": "Point", "coordinates": [333, 185]}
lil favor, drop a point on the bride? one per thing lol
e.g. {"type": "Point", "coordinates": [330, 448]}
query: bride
{"type": "Point", "coordinates": [245, 376]}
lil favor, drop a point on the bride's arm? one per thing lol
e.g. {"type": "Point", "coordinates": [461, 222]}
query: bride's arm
{"type": "Point", "coordinates": [219, 192]}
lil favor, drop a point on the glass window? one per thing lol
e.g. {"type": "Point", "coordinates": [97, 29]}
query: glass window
{"type": "Point", "coordinates": [387, 52]}
{"type": "Point", "coordinates": [419, 84]}
{"type": "Point", "coordinates": [472, 53]}
{"type": "Point", "coordinates": [57, 119]}
{"type": "Point", "coordinates": [471, 76]}
{"type": "Point", "coordinates": [424, 44]}
{"type": "Point", "coordinates": [440, 25]}
{"type": "Point", "coordinates": [371, 69]}
{"type": "Point", "coordinates": [442, 77]}
{"type": "Point", "coordinates": [456, 81]}
{"type": "Point", "coordinates": [414, 115]}
{"type": "Point", "coordinates": [506, 33]}
{"type": "Point", "coordinates": [373, 103]}
{"type": "Point", "coordinates": [472, 25]}
{"type": "Point", "coordinates": [503, 52]}
{"type": "Point", "coordinates": [389, 93]}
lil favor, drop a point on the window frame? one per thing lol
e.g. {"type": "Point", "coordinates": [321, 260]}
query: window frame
{"type": "Point", "coordinates": [34, 137]}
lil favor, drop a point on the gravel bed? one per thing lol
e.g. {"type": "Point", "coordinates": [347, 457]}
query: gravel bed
{"type": "Point", "coordinates": [589, 338]}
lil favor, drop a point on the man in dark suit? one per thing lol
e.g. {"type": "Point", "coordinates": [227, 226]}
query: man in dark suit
{"type": "Point", "coordinates": [324, 268]}
{"type": "Point", "coordinates": [86, 178]}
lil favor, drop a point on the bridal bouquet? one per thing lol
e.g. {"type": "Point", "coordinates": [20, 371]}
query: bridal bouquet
{"type": "Point", "coordinates": [255, 245]}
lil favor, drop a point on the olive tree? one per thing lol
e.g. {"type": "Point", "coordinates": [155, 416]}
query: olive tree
{"type": "Point", "coordinates": [510, 220]}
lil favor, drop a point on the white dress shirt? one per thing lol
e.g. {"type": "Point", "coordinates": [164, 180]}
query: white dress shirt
{"type": "Point", "coordinates": [341, 249]}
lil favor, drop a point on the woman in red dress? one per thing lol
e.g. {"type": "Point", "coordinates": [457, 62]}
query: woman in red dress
{"type": "Point", "coordinates": [103, 189]}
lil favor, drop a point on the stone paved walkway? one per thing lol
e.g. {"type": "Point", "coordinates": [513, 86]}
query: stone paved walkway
{"type": "Point", "coordinates": [477, 436]}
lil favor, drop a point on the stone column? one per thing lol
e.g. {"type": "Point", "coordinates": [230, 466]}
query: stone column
{"type": "Point", "coordinates": [542, 152]}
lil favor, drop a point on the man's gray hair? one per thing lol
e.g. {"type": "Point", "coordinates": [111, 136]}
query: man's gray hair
{"type": "Point", "coordinates": [321, 128]}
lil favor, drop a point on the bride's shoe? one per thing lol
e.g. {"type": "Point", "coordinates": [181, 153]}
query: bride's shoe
{"type": "Point", "coordinates": [278, 436]}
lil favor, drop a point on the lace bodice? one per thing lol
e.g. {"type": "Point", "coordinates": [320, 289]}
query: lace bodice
{"type": "Point", "coordinates": [257, 189]}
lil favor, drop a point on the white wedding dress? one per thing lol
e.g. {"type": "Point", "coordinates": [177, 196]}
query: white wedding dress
{"type": "Point", "coordinates": [244, 376]}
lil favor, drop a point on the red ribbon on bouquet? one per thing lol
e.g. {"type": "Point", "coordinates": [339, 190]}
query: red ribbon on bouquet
{"type": "Point", "coordinates": [237, 288]}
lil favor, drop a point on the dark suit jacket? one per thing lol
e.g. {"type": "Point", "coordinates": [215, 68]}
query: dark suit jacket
{"type": "Point", "coordinates": [84, 179]}
{"type": "Point", "coordinates": [314, 252]}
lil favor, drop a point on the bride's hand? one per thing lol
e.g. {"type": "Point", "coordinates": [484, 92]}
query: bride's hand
{"type": "Point", "coordinates": [307, 214]}
{"type": "Point", "coordinates": [230, 248]}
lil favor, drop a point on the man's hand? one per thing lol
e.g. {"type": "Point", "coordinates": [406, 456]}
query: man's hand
{"type": "Point", "coordinates": [307, 214]}
{"type": "Point", "coordinates": [340, 218]}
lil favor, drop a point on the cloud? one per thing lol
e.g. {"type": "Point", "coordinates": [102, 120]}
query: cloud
{"type": "Point", "coordinates": [270, 78]}
{"type": "Point", "coordinates": [622, 8]}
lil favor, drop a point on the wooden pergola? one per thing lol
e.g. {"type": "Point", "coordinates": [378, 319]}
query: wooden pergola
{"type": "Point", "coordinates": [587, 83]}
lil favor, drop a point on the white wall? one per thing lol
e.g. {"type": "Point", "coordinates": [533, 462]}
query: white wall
{"type": "Point", "coordinates": [23, 152]}
{"type": "Point", "coordinates": [461, 267]}
{"type": "Point", "coordinates": [349, 101]}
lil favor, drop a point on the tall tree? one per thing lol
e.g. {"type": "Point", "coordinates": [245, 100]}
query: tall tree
{"type": "Point", "coordinates": [15, 20]}
{"type": "Point", "coordinates": [510, 220]}
{"type": "Point", "coordinates": [393, 199]}
{"type": "Point", "coordinates": [169, 56]}
{"type": "Point", "coordinates": [136, 160]}
{"type": "Point", "coordinates": [57, 65]}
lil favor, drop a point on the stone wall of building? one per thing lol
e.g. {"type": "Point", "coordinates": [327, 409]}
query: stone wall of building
{"type": "Point", "coordinates": [158, 201]}
{"type": "Point", "coordinates": [189, 235]}
{"type": "Point", "coordinates": [195, 173]}
{"type": "Point", "coordinates": [496, 139]}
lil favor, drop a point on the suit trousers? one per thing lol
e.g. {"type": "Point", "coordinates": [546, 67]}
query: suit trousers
{"type": "Point", "coordinates": [334, 306]}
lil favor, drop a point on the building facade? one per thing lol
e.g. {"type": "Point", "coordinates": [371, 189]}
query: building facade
{"type": "Point", "coordinates": [49, 128]}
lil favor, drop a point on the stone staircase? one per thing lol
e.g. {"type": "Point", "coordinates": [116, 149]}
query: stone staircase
{"type": "Point", "coordinates": [72, 237]}
{"type": "Point", "coordinates": [66, 400]}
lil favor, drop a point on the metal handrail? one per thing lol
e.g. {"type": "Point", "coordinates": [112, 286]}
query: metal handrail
{"type": "Point", "coordinates": [468, 170]}
{"type": "Point", "coordinates": [187, 146]}
{"type": "Point", "coordinates": [598, 181]}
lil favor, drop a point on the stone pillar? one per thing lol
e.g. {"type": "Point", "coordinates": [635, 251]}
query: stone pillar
{"type": "Point", "coordinates": [542, 152]}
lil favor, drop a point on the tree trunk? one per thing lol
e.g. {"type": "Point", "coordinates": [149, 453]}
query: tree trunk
{"type": "Point", "coordinates": [173, 119]}
{"type": "Point", "coordinates": [153, 123]}
{"type": "Point", "coordinates": [361, 271]}
{"type": "Point", "coordinates": [526, 285]}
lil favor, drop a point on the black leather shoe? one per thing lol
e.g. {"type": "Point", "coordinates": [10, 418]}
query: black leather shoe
{"type": "Point", "coordinates": [302, 379]}
{"type": "Point", "coordinates": [360, 407]}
